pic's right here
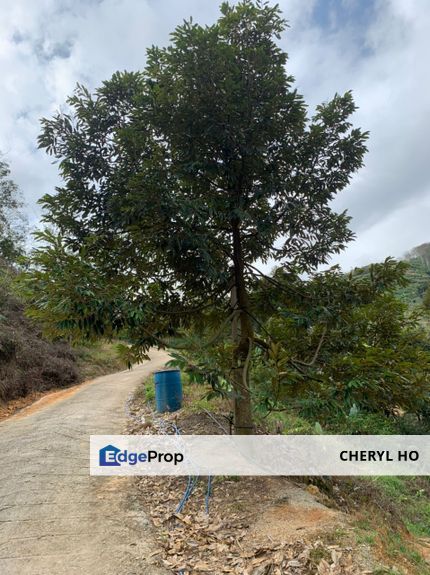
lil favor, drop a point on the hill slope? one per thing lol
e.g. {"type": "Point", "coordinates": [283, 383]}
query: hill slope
{"type": "Point", "coordinates": [31, 364]}
{"type": "Point", "coordinates": [28, 362]}
{"type": "Point", "coordinates": [419, 275]}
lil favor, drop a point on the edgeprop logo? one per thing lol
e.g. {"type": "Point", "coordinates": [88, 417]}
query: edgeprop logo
{"type": "Point", "coordinates": [110, 456]}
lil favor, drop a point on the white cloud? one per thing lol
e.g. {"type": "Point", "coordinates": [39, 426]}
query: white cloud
{"type": "Point", "coordinates": [46, 47]}
{"type": "Point", "coordinates": [379, 50]}
{"type": "Point", "coordinates": [385, 64]}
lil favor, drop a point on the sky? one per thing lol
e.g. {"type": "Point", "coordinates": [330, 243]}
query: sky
{"type": "Point", "coordinates": [379, 49]}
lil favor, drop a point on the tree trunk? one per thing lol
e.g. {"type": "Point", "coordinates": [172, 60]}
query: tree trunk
{"type": "Point", "coordinates": [243, 340]}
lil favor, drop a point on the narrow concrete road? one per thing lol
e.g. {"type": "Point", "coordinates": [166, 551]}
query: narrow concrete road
{"type": "Point", "coordinates": [55, 518]}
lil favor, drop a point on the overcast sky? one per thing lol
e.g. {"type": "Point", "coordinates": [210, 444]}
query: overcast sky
{"type": "Point", "coordinates": [377, 48]}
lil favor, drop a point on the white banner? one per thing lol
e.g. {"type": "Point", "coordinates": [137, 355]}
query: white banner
{"type": "Point", "coordinates": [259, 455]}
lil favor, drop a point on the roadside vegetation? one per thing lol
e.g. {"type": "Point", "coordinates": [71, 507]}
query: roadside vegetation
{"type": "Point", "coordinates": [98, 358]}
{"type": "Point", "coordinates": [324, 525]}
{"type": "Point", "coordinates": [333, 353]}
{"type": "Point", "coordinates": [28, 362]}
{"type": "Point", "coordinates": [31, 364]}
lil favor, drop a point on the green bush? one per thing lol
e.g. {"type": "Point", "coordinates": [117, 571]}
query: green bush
{"type": "Point", "coordinates": [363, 424]}
{"type": "Point", "coordinates": [341, 342]}
{"type": "Point", "coordinates": [149, 390]}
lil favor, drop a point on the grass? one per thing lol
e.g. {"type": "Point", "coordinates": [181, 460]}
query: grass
{"type": "Point", "coordinates": [385, 572]}
{"type": "Point", "coordinates": [398, 548]}
{"type": "Point", "coordinates": [98, 359]}
{"type": "Point", "coordinates": [285, 422]}
{"type": "Point", "coordinates": [146, 391]}
{"type": "Point", "coordinates": [195, 401]}
{"type": "Point", "coordinates": [365, 533]}
{"type": "Point", "coordinates": [337, 536]}
{"type": "Point", "coordinates": [395, 510]}
{"type": "Point", "coordinates": [420, 527]}
{"type": "Point", "coordinates": [317, 554]}
{"type": "Point", "coordinates": [412, 497]}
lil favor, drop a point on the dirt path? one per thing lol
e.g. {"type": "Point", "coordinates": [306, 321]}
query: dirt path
{"type": "Point", "coordinates": [55, 518]}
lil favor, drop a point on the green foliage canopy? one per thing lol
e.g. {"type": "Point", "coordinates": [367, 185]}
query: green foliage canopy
{"type": "Point", "coordinates": [178, 178]}
{"type": "Point", "coordinates": [340, 349]}
{"type": "Point", "coordinates": [12, 221]}
{"type": "Point", "coordinates": [343, 341]}
{"type": "Point", "coordinates": [158, 165]}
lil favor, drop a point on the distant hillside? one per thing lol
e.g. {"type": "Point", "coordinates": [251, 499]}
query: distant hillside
{"type": "Point", "coordinates": [419, 275]}
{"type": "Point", "coordinates": [30, 364]}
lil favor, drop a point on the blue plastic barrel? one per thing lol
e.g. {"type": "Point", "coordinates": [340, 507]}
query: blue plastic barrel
{"type": "Point", "coordinates": [168, 390]}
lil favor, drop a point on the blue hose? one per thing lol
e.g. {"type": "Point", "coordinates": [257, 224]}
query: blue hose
{"type": "Point", "coordinates": [208, 494]}
{"type": "Point", "coordinates": [192, 482]}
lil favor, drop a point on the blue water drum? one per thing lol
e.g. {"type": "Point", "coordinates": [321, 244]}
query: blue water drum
{"type": "Point", "coordinates": [168, 390]}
